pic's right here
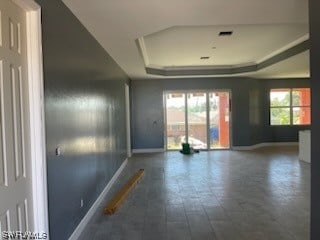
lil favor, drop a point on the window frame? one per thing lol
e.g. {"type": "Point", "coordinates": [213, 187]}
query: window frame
{"type": "Point", "coordinates": [290, 106]}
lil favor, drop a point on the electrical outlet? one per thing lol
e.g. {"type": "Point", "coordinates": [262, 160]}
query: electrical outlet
{"type": "Point", "coordinates": [81, 202]}
{"type": "Point", "coordinates": [58, 151]}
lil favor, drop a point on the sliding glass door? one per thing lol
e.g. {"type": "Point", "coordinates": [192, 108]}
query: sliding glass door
{"type": "Point", "coordinates": [219, 113]}
{"type": "Point", "coordinates": [200, 118]}
{"type": "Point", "coordinates": [197, 119]}
{"type": "Point", "coordinates": [175, 119]}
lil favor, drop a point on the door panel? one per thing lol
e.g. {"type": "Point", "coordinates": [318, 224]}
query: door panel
{"type": "Point", "coordinates": [219, 120]}
{"type": "Point", "coordinates": [17, 132]}
{"type": "Point", "coordinates": [197, 120]}
{"type": "Point", "coordinates": [3, 164]}
{"type": "Point", "coordinates": [4, 222]}
{"type": "Point", "coordinates": [22, 214]}
{"type": "Point", "coordinates": [15, 36]}
{"type": "Point", "coordinates": [175, 119]}
{"type": "Point", "coordinates": [15, 182]}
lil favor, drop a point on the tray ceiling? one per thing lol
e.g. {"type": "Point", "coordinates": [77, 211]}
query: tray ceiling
{"type": "Point", "coordinates": [151, 39]}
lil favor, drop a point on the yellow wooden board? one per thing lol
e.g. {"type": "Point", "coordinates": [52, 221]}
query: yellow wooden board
{"type": "Point", "coordinates": [121, 195]}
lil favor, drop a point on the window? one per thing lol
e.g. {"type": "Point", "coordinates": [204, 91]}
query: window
{"type": "Point", "coordinates": [177, 127]}
{"type": "Point", "coordinates": [290, 106]}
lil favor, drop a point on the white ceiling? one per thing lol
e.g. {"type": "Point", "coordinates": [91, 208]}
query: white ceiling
{"type": "Point", "coordinates": [179, 32]}
{"type": "Point", "coordinates": [183, 46]}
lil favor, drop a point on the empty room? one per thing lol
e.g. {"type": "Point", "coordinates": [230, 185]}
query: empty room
{"type": "Point", "coordinates": [156, 120]}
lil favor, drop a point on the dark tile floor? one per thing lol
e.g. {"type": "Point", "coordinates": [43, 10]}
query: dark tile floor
{"type": "Point", "coordinates": [218, 195]}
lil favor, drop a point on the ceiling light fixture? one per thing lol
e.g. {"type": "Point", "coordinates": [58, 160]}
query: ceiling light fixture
{"type": "Point", "coordinates": [225, 33]}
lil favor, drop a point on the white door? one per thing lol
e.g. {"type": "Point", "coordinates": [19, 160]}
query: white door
{"type": "Point", "coordinates": [15, 162]}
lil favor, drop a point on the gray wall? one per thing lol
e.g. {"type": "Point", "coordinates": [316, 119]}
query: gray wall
{"type": "Point", "coordinates": [85, 116]}
{"type": "Point", "coordinates": [250, 109]}
{"type": "Point", "coordinates": [314, 10]}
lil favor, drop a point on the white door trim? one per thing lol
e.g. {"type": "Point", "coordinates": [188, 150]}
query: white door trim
{"type": "Point", "coordinates": [37, 125]}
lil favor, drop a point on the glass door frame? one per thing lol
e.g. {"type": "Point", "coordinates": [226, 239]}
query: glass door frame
{"type": "Point", "coordinates": [207, 92]}
{"type": "Point", "coordinates": [165, 116]}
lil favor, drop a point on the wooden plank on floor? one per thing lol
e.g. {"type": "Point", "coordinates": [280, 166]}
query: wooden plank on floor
{"type": "Point", "coordinates": [114, 204]}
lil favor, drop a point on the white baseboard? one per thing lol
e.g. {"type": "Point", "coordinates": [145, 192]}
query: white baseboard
{"type": "Point", "coordinates": [267, 144]}
{"type": "Point", "coordinates": [77, 232]}
{"type": "Point", "coordinates": [148, 150]}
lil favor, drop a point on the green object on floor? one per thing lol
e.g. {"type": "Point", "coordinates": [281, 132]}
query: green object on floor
{"type": "Point", "coordinates": [186, 148]}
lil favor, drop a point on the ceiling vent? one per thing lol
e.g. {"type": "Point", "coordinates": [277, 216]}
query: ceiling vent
{"type": "Point", "coordinates": [225, 33]}
{"type": "Point", "coordinates": [203, 58]}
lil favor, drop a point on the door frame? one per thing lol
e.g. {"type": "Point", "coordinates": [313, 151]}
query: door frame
{"type": "Point", "coordinates": [229, 91]}
{"type": "Point", "coordinates": [36, 111]}
{"type": "Point", "coordinates": [206, 91]}
{"type": "Point", "coordinates": [164, 99]}
{"type": "Point", "coordinates": [128, 130]}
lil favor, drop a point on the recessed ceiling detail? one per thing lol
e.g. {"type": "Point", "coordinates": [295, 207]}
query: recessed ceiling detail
{"type": "Point", "coordinates": [263, 29]}
{"type": "Point", "coordinates": [248, 48]}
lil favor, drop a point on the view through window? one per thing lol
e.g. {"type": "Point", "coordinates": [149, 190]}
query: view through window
{"type": "Point", "coordinates": [290, 106]}
{"type": "Point", "coordinates": [199, 118]}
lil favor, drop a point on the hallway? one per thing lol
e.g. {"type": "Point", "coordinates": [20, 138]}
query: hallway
{"type": "Point", "coordinates": [224, 195]}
